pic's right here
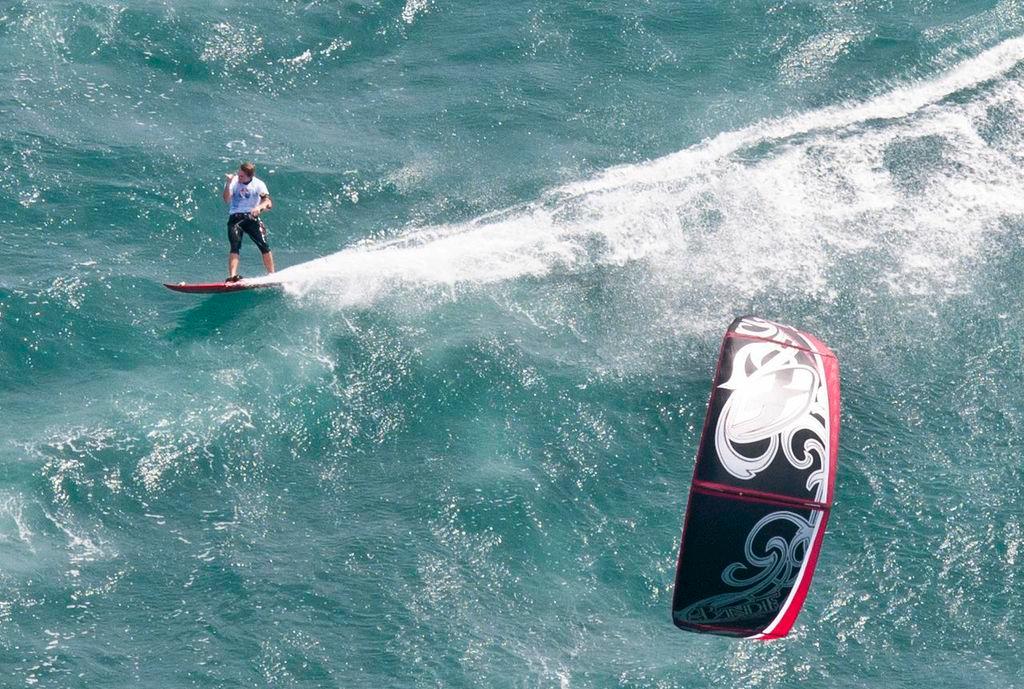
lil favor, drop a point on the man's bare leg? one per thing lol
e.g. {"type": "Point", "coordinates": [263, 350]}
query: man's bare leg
{"type": "Point", "coordinates": [232, 265]}
{"type": "Point", "coordinates": [268, 262]}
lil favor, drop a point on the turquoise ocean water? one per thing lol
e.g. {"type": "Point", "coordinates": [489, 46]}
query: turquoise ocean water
{"type": "Point", "coordinates": [455, 451]}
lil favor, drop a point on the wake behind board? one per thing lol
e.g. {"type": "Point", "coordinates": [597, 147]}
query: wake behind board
{"type": "Point", "coordinates": [218, 287]}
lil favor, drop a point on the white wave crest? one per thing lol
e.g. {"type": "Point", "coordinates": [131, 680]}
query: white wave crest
{"type": "Point", "coordinates": [910, 184]}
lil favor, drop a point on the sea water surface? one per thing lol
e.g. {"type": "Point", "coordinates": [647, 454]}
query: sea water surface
{"type": "Point", "coordinates": [455, 450]}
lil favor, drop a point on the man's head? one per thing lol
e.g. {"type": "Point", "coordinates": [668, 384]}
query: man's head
{"type": "Point", "coordinates": [245, 172]}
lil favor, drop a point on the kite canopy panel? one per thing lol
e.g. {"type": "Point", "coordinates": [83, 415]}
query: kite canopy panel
{"type": "Point", "coordinates": [762, 484]}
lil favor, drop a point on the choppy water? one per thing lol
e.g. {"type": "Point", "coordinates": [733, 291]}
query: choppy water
{"type": "Point", "coordinates": [455, 451]}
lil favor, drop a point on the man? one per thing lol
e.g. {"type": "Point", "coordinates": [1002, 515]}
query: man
{"type": "Point", "coordinates": [248, 198]}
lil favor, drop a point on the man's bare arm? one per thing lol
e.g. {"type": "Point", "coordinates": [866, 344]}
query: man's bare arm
{"type": "Point", "coordinates": [265, 204]}
{"type": "Point", "coordinates": [227, 187]}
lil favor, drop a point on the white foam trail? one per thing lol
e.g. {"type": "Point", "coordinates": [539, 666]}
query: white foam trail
{"type": "Point", "coordinates": [471, 253]}
{"type": "Point", "coordinates": [831, 187]}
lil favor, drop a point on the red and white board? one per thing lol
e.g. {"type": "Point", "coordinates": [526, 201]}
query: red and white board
{"type": "Point", "coordinates": [218, 287]}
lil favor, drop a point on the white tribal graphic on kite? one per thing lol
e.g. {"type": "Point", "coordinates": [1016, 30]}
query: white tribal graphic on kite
{"type": "Point", "coordinates": [777, 394]}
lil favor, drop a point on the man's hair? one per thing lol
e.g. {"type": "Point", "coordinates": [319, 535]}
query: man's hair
{"type": "Point", "coordinates": [248, 168]}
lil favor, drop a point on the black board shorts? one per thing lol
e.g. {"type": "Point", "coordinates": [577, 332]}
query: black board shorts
{"type": "Point", "coordinates": [243, 222]}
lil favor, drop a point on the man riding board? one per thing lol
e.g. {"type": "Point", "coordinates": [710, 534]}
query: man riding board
{"type": "Point", "coordinates": [248, 198]}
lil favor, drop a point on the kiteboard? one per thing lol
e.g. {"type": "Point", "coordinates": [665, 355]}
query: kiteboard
{"type": "Point", "coordinates": [762, 484]}
{"type": "Point", "coordinates": [218, 287]}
